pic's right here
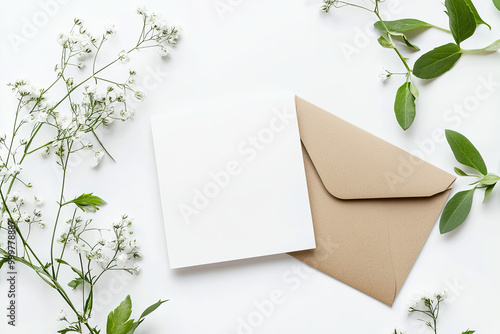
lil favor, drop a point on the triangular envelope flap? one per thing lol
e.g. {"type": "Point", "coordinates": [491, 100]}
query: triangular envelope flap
{"type": "Point", "coordinates": [354, 164]}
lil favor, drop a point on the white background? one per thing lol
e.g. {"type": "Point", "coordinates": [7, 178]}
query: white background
{"type": "Point", "coordinates": [268, 44]}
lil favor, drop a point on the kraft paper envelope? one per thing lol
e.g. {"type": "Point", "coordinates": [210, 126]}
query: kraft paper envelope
{"type": "Point", "coordinates": [373, 204]}
{"type": "Point", "coordinates": [232, 180]}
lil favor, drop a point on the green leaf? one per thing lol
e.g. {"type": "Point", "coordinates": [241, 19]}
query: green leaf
{"type": "Point", "coordinates": [401, 26]}
{"type": "Point", "coordinates": [497, 4]}
{"type": "Point", "coordinates": [437, 62]}
{"type": "Point", "coordinates": [3, 261]}
{"type": "Point", "coordinates": [152, 308]}
{"type": "Point", "coordinates": [493, 47]}
{"type": "Point", "coordinates": [468, 332]}
{"type": "Point", "coordinates": [89, 304]}
{"type": "Point", "coordinates": [385, 43]}
{"type": "Point", "coordinates": [414, 90]}
{"type": "Point", "coordinates": [462, 20]}
{"type": "Point", "coordinates": [488, 191]}
{"type": "Point", "coordinates": [75, 283]}
{"type": "Point", "coordinates": [465, 152]}
{"type": "Point", "coordinates": [456, 211]}
{"type": "Point", "coordinates": [477, 18]}
{"type": "Point", "coordinates": [404, 106]}
{"type": "Point", "coordinates": [118, 320]}
{"type": "Point", "coordinates": [489, 179]}
{"type": "Point", "coordinates": [134, 326]}
{"type": "Point", "coordinates": [88, 202]}
{"type": "Point", "coordinates": [460, 172]}
{"type": "Point", "coordinates": [406, 41]}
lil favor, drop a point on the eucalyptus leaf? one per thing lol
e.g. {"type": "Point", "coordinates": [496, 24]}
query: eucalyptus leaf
{"type": "Point", "coordinates": [497, 4]}
{"type": "Point", "coordinates": [489, 179]}
{"type": "Point", "coordinates": [465, 152]}
{"type": "Point", "coordinates": [462, 21]}
{"type": "Point", "coordinates": [404, 106]}
{"type": "Point", "coordinates": [488, 191]}
{"type": "Point", "coordinates": [456, 211]}
{"type": "Point", "coordinates": [118, 319]}
{"type": "Point", "coordinates": [477, 17]}
{"type": "Point", "coordinates": [401, 26]}
{"type": "Point", "coordinates": [437, 62]}
{"type": "Point", "coordinates": [460, 172]}
{"type": "Point", "coordinates": [385, 43]}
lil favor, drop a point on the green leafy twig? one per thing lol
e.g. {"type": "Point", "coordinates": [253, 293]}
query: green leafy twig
{"type": "Point", "coordinates": [463, 21]}
{"type": "Point", "coordinates": [458, 207]}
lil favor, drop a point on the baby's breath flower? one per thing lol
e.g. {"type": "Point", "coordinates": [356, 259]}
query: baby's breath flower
{"type": "Point", "coordinates": [15, 169]}
{"type": "Point", "coordinates": [384, 75]}
{"type": "Point", "coordinates": [41, 117]}
{"type": "Point", "coordinates": [3, 136]}
{"type": "Point", "coordinates": [61, 315]}
{"type": "Point", "coordinates": [109, 29]}
{"type": "Point", "coordinates": [46, 151]}
{"type": "Point", "coordinates": [141, 10]}
{"type": "Point", "coordinates": [140, 95]}
{"type": "Point", "coordinates": [162, 51]}
{"type": "Point", "coordinates": [135, 269]}
{"type": "Point", "coordinates": [121, 259]}
{"type": "Point", "coordinates": [98, 158]}
{"type": "Point", "coordinates": [123, 57]}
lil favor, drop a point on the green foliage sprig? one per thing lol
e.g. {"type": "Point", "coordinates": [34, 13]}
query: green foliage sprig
{"type": "Point", "coordinates": [458, 207]}
{"type": "Point", "coordinates": [463, 21]}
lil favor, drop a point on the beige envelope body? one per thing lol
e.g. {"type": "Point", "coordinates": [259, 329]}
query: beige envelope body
{"type": "Point", "coordinates": [373, 204]}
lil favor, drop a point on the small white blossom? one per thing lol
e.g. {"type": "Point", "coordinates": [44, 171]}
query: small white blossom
{"type": "Point", "coordinates": [121, 259]}
{"type": "Point", "coordinates": [79, 136]}
{"type": "Point", "coordinates": [3, 136]}
{"type": "Point", "coordinates": [141, 10]}
{"type": "Point", "coordinates": [61, 315]}
{"type": "Point", "coordinates": [123, 57]}
{"type": "Point", "coordinates": [98, 158]}
{"type": "Point", "coordinates": [162, 51]}
{"type": "Point", "coordinates": [41, 117]}
{"type": "Point", "coordinates": [384, 75]}
{"type": "Point", "coordinates": [140, 95]}
{"type": "Point", "coordinates": [38, 200]}
{"type": "Point", "coordinates": [109, 29]}
{"type": "Point", "coordinates": [135, 269]}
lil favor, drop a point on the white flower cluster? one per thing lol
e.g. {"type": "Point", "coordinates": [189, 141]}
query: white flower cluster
{"type": "Point", "coordinates": [116, 252]}
{"type": "Point", "coordinates": [426, 298]}
{"type": "Point", "coordinates": [79, 40]}
{"type": "Point", "coordinates": [24, 89]}
{"type": "Point", "coordinates": [164, 35]}
{"type": "Point", "coordinates": [19, 214]}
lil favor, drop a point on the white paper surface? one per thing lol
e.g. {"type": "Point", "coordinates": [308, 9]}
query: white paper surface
{"type": "Point", "coordinates": [232, 180]}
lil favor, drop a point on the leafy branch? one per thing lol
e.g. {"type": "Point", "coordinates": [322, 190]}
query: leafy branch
{"type": "Point", "coordinates": [458, 207]}
{"type": "Point", "coordinates": [463, 21]}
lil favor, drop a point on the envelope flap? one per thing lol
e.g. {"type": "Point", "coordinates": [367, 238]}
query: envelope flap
{"type": "Point", "coordinates": [354, 164]}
